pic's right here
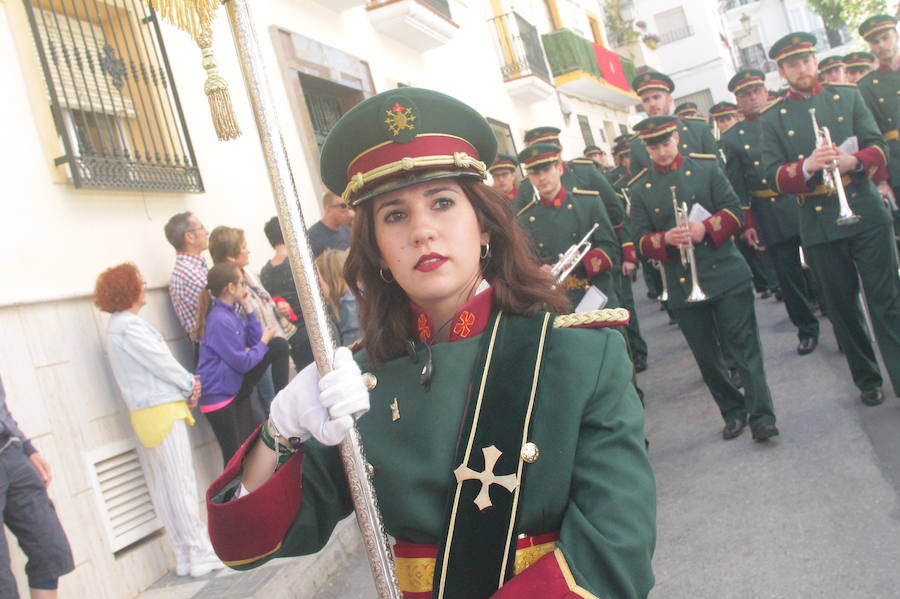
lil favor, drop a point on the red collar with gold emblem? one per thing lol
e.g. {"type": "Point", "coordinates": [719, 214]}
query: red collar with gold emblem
{"type": "Point", "coordinates": [557, 200]}
{"type": "Point", "coordinates": [676, 164]}
{"type": "Point", "coordinates": [797, 96]}
{"type": "Point", "coordinates": [470, 320]}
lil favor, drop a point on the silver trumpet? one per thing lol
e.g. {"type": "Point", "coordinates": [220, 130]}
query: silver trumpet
{"type": "Point", "coordinates": [688, 259]}
{"type": "Point", "coordinates": [664, 296]}
{"type": "Point", "coordinates": [832, 175]}
{"type": "Point", "coordinates": [627, 201]}
{"type": "Point", "coordinates": [717, 135]}
{"type": "Point", "coordinates": [568, 261]}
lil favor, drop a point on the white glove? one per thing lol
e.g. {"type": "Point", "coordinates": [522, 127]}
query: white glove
{"type": "Point", "coordinates": [321, 408]}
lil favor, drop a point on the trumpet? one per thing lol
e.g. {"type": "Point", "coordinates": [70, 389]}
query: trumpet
{"type": "Point", "coordinates": [568, 261]}
{"type": "Point", "coordinates": [664, 296]}
{"type": "Point", "coordinates": [717, 135]}
{"type": "Point", "coordinates": [688, 259]}
{"type": "Point", "coordinates": [627, 201]}
{"type": "Point", "coordinates": [832, 176]}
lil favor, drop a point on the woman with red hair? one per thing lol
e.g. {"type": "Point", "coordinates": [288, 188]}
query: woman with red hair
{"type": "Point", "coordinates": [155, 387]}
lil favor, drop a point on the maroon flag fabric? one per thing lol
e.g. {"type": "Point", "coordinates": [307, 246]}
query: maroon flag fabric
{"type": "Point", "coordinates": [611, 66]}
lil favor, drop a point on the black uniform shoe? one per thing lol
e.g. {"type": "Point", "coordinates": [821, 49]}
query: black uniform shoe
{"type": "Point", "coordinates": [733, 428]}
{"type": "Point", "coordinates": [778, 295]}
{"type": "Point", "coordinates": [807, 346]}
{"type": "Point", "coordinates": [640, 363]}
{"type": "Point", "coordinates": [765, 432]}
{"type": "Point", "coordinates": [765, 294]}
{"type": "Point", "coordinates": [872, 397]}
{"type": "Point", "coordinates": [735, 375]}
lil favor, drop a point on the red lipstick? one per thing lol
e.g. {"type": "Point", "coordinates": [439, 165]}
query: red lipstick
{"type": "Point", "coordinates": [430, 262]}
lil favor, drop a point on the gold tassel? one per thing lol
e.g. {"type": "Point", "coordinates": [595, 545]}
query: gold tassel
{"type": "Point", "coordinates": [216, 89]}
{"type": "Point", "coordinates": [192, 16]}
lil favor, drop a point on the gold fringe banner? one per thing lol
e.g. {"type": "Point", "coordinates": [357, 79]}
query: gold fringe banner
{"type": "Point", "coordinates": [191, 16]}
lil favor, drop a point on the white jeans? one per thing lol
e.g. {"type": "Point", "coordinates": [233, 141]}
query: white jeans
{"type": "Point", "coordinates": [173, 487]}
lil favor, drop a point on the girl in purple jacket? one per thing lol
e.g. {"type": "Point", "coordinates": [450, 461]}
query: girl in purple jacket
{"type": "Point", "coordinates": [234, 353]}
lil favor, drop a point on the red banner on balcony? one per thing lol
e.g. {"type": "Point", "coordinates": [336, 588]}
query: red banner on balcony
{"type": "Point", "coordinates": [610, 65]}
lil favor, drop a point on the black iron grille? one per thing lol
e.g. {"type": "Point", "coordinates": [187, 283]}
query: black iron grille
{"type": "Point", "coordinates": [112, 95]}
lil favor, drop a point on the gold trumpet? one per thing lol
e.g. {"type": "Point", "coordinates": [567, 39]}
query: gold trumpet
{"type": "Point", "coordinates": [688, 259]}
{"type": "Point", "coordinates": [568, 261]}
{"type": "Point", "coordinates": [832, 175]}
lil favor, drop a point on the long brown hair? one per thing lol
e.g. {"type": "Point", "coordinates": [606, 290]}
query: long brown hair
{"type": "Point", "coordinates": [520, 287]}
{"type": "Point", "coordinates": [331, 268]}
{"type": "Point", "coordinates": [217, 279]}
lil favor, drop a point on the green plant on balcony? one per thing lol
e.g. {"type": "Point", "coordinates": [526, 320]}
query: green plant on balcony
{"type": "Point", "coordinates": [622, 30]}
{"type": "Point", "coordinates": [651, 40]}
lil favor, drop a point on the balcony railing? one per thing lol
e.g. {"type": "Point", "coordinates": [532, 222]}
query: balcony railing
{"type": "Point", "coordinates": [442, 6]}
{"type": "Point", "coordinates": [520, 48]}
{"type": "Point", "coordinates": [567, 52]}
{"type": "Point", "coordinates": [675, 34]}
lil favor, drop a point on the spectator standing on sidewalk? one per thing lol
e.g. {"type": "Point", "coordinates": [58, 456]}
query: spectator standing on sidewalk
{"type": "Point", "coordinates": [29, 513]}
{"type": "Point", "coordinates": [160, 394]}
{"type": "Point", "coordinates": [333, 231]}
{"type": "Point", "coordinates": [190, 239]}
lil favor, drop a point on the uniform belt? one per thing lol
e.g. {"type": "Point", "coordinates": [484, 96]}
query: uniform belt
{"type": "Point", "coordinates": [764, 193]}
{"type": "Point", "coordinates": [573, 282]}
{"type": "Point", "coordinates": [892, 135]}
{"type": "Point", "coordinates": [822, 190]}
{"type": "Point", "coordinates": [414, 562]}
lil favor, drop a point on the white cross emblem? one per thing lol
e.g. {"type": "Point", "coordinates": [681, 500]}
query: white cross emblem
{"type": "Point", "coordinates": [487, 478]}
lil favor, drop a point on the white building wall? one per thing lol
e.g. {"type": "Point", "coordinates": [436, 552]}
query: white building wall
{"type": "Point", "coordinates": [56, 239]}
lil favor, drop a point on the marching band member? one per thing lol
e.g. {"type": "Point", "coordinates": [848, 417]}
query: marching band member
{"type": "Point", "coordinates": [840, 248]}
{"type": "Point", "coordinates": [512, 465]}
{"type": "Point", "coordinates": [722, 274]}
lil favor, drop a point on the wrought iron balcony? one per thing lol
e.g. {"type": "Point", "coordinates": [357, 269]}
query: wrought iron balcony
{"type": "Point", "coordinates": [523, 63]}
{"type": "Point", "coordinates": [420, 24]}
{"type": "Point", "coordinates": [576, 69]}
{"type": "Point", "coordinates": [676, 34]}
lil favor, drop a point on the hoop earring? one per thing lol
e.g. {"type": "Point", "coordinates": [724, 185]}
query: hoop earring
{"type": "Point", "coordinates": [384, 278]}
{"type": "Point", "coordinates": [486, 251]}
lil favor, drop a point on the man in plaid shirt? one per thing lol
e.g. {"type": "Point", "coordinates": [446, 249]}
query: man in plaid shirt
{"type": "Point", "coordinates": [190, 239]}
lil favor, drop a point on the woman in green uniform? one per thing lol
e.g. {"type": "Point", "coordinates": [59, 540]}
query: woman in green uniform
{"type": "Point", "coordinates": [506, 443]}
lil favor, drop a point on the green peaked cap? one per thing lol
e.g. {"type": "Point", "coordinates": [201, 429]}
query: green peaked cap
{"type": "Point", "coordinates": [793, 44]}
{"type": "Point", "coordinates": [876, 24]}
{"type": "Point", "coordinates": [401, 137]}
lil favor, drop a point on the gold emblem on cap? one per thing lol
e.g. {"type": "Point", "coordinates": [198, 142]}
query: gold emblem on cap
{"type": "Point", "coordinates": [647, 77]}
{"type": "Point", "coordinates": [530, 453]}
{"type": "Point", "coordinates": [795, 39]}
{"type": "Point", "coordinates": [399, 118]}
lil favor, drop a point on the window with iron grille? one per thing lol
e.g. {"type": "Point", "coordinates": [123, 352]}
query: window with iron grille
{"type": "Point", "coordinates": [112, 96]}
{"type": "Point", "coordinates": [585, 124]}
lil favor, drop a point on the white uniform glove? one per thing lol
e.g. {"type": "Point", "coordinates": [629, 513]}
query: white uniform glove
{"type": "Point", "coordinates": [321, 408]}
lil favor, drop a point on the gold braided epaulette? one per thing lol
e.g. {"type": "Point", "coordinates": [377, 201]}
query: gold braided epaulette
{"type": "Point", "coordinates": [586, 192]}
{"type": "Point", "coordinates": [609, 317]}
{"type": "Point", "coordinates": [704, 156]}
{"type": "Point", "coordinates": [774, 102]}
{"type": "Point", "coordinates": [841, 84]}
{"type": "Point", "coordinates": [693, 118]}
{"type": "Point", "coordinates": [582, 161]}
{"type": "Point", "coordinates": [357, 345]}
{"type": "Point", "coordinates": [637, 176]}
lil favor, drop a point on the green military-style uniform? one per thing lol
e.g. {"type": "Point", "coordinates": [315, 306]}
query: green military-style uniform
{"type": "Point", "coordinates": [836, 252]}
{"type": "Point", "coordinates": [775, 217]}
{"type": "Point", "coordinates": [694, 133]}
{"type": "Point", "coordinates": [509, 461]}
{"type": "Point", "coordinates": [619, 178]}
{"type": "Point", "coordinates": [578, 172]}
{"type": "Point", "coordinates": [722, 275]}
{"type": "Point", "coordinates": [881, 90]}
{"type": "Point", "coordinates": [555, 225]}
{"type": "Point", "coordinates": [859, 63]}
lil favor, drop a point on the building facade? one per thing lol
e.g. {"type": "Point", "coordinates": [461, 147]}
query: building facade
{"type": "Point", "coordinates": [107, 134]}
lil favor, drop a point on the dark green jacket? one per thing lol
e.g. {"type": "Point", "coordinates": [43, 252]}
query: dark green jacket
{"type": "Point", "coordinates": [776, 218]}
{"type": "Point", "coordinates": [553, 230]}
{"type": "Point", "coordinates": [582, 176]}
{"type": "Point", "coordinates": [592, 481]}
{"type": "Point", "coordinates": [695, 138]}
{"type": "Point", "coordinates": [720, 266]}
{"type": "Point", "coordinates": [788, 138]}
{"type": "Point", "coordinates": [881, 91]}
